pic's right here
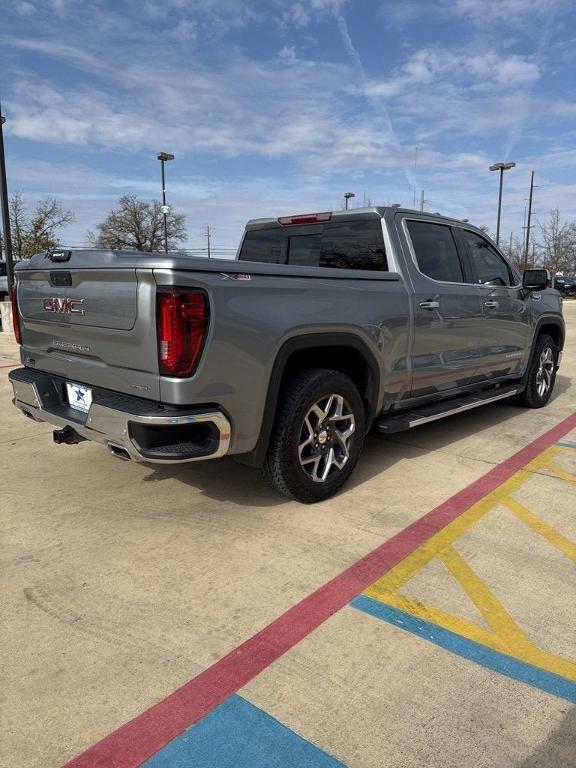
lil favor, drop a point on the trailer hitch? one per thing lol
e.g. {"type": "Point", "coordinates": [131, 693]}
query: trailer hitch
{"type": "Point", "coordinates": [67, 436]}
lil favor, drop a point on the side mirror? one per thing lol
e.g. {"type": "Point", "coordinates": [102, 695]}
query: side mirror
{"type": "Point", "coordinates": [536, 279]}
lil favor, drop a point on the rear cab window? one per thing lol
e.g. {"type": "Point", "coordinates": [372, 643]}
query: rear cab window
{"type": "Point", "coordinates": [353, 244]}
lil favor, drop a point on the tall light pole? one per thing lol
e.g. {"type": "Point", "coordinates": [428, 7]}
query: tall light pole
{"type": "Point", "coordinates": [164, 157]}
{"type": "Point", "coordinates": [6, 234]}
{"type": "Point", "coordinates": [347, 196]}
{"type": "Point", "coordinates": [500, 167]}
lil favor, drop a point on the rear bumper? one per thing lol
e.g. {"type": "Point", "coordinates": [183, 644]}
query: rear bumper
{"type": "Point", "coordinates": [130, 426]}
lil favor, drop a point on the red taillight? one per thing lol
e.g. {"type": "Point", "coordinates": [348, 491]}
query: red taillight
{"type": "Point", "coordinates": [15, 316]}
{"type": "Point", "coordinates": [306, 218]}
{"type": "Point", "coordinates": [181, 324]}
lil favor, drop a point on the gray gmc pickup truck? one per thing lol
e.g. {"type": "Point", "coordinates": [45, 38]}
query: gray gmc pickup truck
{"type": "Point", "coordinates": [325, 326]}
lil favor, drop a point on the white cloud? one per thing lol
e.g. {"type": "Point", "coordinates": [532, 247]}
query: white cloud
{"type": "Point", "coordinates": [185, 31]}
{"type": "Point", "coordinates": [514, 70]}
{"type": "Point", "coordinates": [435, 65]}
{"type": "Point", "coordinates": [490, 11]}
{"type": "Point", "coordinates": [298, 15]}
{"type": "Point", "coordinates": [25, 8]}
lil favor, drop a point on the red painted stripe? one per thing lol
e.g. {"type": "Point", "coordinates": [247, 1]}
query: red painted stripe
{"type": "Point", "coordinates": [135, 742]}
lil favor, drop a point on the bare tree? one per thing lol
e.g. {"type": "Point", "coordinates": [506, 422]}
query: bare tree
{"type": "Point", "coordinates": [139, 225]}
{"type": "Point", "coordinates": [515, 253]}
{"type": "Point", "coordinates": [36, 231]}
{"type": "Point", "coordinates": [556, 249]}
{"type": "Point", "coordinates": [18, 224]}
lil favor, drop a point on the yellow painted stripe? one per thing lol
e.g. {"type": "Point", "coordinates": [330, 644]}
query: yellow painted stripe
{"type": "Point", "coordinates": [487, 603]}
{"type": "Point", "coordinates": [505, 635]}
{"type": "Point", "coordinates": [560, 472]}
{"type": "Point", "coordinates": [542, 528]}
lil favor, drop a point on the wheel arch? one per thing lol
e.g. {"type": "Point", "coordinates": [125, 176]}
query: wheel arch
{"type": "Point", "coordinates": [551, 325]}
{"type": "Point", "coordinates": [343, 352]}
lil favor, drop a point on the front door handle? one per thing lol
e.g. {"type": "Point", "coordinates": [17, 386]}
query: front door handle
{"type": "Point", "coordinates": [491, 304]}
{"type": "Point", "coordinates": [429, 304]}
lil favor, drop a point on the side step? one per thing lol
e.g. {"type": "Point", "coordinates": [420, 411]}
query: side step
{"type": "Point", "coordinates": [401, 421]}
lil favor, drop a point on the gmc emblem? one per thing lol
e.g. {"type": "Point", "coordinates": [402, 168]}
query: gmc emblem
{"type": "Point", "coordinates": [64, 306]}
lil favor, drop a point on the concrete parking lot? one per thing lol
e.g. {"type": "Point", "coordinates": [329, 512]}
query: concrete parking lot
{"type": "Point", "coordinates": [154, 615]}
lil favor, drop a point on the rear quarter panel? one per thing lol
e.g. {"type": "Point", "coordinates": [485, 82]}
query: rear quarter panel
{"type": "Point", "coordinates": [251, 319]}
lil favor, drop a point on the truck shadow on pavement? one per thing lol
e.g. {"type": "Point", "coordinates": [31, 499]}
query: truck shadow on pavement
{"type": "Point", "coordinates": [225, 480]}
{"type": "Point", "coordinates": [559, 750]}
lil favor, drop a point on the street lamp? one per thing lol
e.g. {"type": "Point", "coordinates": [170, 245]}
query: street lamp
{"type": "Point", "coordinates": [7, 237]}
{"type": "Point", "coordinates": [500, 167]}
{"type": "Point", "coordinates": [347, 196]}
{"type": "Point", "coordinates": [164, 157]}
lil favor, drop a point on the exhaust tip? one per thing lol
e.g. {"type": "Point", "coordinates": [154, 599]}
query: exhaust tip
{"type": "Point", "coordinates": [119, 451]}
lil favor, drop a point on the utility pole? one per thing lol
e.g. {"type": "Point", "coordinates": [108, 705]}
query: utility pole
{"type": "Point", "coordinates": [208, 238]}
{"type": "Point", "coordinates": [422, 200]}
{"type": "Point", "coordinates": [6, 234]}
{"type": "Point", "coordinates": [414, 185]}
{"type": "Point", "coordinates": [527, 245]}
{"type": "Point", "coordinates": [510, 247]}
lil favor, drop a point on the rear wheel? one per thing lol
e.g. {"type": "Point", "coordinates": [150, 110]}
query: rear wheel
{"type": "Point", "coordinates": [541, 374]}
{"type": "Point", "coordinates": [317, 436]}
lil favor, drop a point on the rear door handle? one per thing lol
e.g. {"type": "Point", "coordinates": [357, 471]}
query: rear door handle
{"type": "Point", "coordinates": [491, 304]}
{"type": "Point", "coordinates": [429, 304]}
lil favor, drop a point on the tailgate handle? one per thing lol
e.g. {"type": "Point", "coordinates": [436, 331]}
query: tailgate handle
{"type": "Point", "coordinates": [61, 278]}
{"type": "Point", "coordinates": [58, 256]}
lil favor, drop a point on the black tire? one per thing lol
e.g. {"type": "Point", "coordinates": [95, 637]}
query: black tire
{"type": "Point", "coordinates": [541, 373]}
{"type": "Point", "coordinates": [297, 421]}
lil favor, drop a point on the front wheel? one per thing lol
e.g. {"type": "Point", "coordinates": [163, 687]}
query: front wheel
{"type": "Point", "coordinates": [317, 436]}
{"type": "Point", "coordinates": [541, 374]}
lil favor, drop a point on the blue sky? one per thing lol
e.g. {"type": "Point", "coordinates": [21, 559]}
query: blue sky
{"type": "Point", "coordinates": [274, 107]}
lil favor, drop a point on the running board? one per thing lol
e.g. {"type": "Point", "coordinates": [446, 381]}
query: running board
{"type": "Point", "coordinates": [400, 422]}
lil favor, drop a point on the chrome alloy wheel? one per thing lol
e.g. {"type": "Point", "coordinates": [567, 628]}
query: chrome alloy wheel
{"type": "Point", "coordinates": [545, 372]}
{"type": "Point", "coordinates": [326, 437]}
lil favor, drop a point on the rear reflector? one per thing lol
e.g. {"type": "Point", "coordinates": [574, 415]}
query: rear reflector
{"type": "Point", "coordinates": [16, 316]}
{"type": "Point", "coordinates": [181, 324]}
{"type": "Point", "coordinates": [305, 218]}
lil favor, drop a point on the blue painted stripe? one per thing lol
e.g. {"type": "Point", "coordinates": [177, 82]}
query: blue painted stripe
{"type": "Point", "coordinates": [499, 662]}
{"type": "Point", "coordinates": [566, 443]}
{"type": "Point", "coordinates": [239, 735]}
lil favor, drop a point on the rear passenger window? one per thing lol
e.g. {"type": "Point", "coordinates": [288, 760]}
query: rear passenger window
{"type": "Point", "coordinates": [489, 266]}
{"type": "Point", "coordinates": [435, 251]}
{"type": "Point", "coordinates": [356, 244]}
{"type": "Point", "coordinates": [268, 245]}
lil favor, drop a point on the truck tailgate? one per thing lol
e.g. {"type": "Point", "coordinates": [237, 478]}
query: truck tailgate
{"type": "Point", "coordinates": [89, 321]}
{"type": "Point", "coordinates": [94, 297]}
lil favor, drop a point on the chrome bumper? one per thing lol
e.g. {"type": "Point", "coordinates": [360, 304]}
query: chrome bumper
{"type": "Point", "coordinates": [111, 422]}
